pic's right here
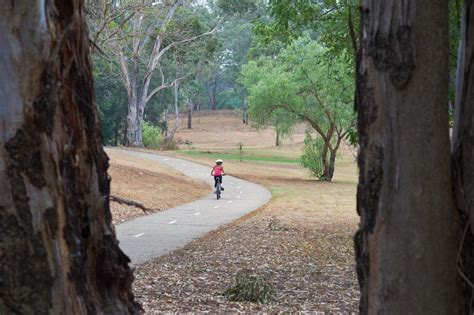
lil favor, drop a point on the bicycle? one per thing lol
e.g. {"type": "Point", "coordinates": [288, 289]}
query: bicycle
{"type": "Point", "coordinates": [218, 188]}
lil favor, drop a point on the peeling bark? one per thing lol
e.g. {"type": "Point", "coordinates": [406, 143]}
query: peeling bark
{"type": "Point", "coordinates": [407, 242]}
{"type": "Point", "coordinates": [58, 250]}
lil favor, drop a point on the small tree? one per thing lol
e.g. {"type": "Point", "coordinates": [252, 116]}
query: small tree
{"type": "Point", "coordinates": [309, 83]}
{"type": "Point", "coordinates": [240, 146]}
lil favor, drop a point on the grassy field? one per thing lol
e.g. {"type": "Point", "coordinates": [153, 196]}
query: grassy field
{"type": "Point", "coordinates": [234, 155]}
{"type": "Point", "coordinates": [300, 242]}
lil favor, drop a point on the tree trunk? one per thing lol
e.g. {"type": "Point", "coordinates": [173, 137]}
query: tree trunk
{"type": "Point", "coordinates": [190, 115]}
{"type": "Point", "coordinates": [58, 250]}
{"type": "Point", "coordinates": [245, 114]}
{"type": "Point", "coordinates": [325, 157]}
{"type": "Point", "coordinates": [277, 140]}
{"type": "Point", "coordinates": [171, 135]}
{"type": "Point", "coordinates": [329, 165]}
{"type": "Point", "coordinates": [213, 96]}
{"type": "Point", "coordinates": [463, 147]}
{"type": "Point", "coordinates": [134, 122]}
{"type": "Point", "coordinates": [408, 238]}
{"type": "Point", "coordinates": [116, 133]}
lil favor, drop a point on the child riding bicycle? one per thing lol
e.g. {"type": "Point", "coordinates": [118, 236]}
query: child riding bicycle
{"type": "Point", "coordinates": [218, 172]}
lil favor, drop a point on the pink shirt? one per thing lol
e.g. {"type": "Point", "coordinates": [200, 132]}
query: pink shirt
{"type": "Point", "coordinates": [217, 170]}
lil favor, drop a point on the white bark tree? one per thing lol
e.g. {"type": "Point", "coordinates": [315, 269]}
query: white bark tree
{"type": "Point", "coordinates": [129, 39]}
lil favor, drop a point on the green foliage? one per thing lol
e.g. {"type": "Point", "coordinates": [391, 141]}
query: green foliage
{"type": "Point", "coordinates": [311, 157]}
{"type": "Point", "coordinates": [233, 7]}
{"type": "Point", "coordinates": [455, 8]}
{"type": "Point", "coordinates": [328, 19]}
{"type": "Point", "coordinates": [250, 288]}
{"type": "Point", "coordinates": [111, 100]}
{"type": "Point", "coordinates": [304, 82]}
{"type": "Point", "coordinates": [152, 137]}
{"type": "Point", "coordinates": [352, 137]}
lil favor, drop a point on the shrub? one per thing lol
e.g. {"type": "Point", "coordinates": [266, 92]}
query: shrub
{"type": "Point", "coordinates": [151, 135]}
{"type": "Point", "coordinates": [250, 288]}
{"type": "Point", "coordinates": [311, 157]}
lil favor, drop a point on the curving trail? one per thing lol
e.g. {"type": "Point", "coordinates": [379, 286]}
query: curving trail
{"type": "Point", "coordinates": [151, 236]}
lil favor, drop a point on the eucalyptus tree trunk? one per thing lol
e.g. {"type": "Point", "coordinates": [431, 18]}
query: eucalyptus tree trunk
{"type": "Point", "coordinates": [58, 250]}
{"type": "Point", "coordinates": [408, 239]}
{"type": "Point", "coordinates": [463, 148]}
{"type": "Point", "coordinates": [169, 137]}
{"type": "Point", "coordinates": [190, 115]}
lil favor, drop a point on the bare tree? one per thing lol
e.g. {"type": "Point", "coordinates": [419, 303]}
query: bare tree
{"type": "Point", "coordinates": [58, 250]}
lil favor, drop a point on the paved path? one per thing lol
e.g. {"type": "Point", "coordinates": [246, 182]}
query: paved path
{"type": "Point", "coordinates": [154, 235]}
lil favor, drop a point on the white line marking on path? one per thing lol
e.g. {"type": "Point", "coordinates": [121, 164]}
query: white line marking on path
{"type": "Point", "coordinates": [216, 207]}
{"type": "Point", "coordinates": [172, 222]}
{"type": "Point", "coordinates": [238, 197]}
{"type": "Point", "coordinates": [238, 187]}
{"type": "Point", "coordinates": [241, 192]}
{"type": "Point", "coordinates": [197, 213]}
{"type": "Point", "coordinates": [229, 201]}
{"type": "Point", "coordinates": [138, 235]}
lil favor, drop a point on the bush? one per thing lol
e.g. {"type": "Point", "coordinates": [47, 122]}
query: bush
{"type": "Point", "coordinates": [250, 288]}
{"type": "Point", "coordinates": [151, 136]}
{"type": "Point", "coordinates": [311, 157]}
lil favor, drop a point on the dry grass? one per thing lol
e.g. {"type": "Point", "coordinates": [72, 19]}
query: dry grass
{"type": "Point", "coordinates": [301, 241]}
{"type": "Point", "coordinates": [149, 183]}
{"type": "Point", "coordinates": [223, 129]}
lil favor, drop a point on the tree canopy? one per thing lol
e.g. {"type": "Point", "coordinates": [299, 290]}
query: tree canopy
{"type": "Point", "coordinates": [306, 82]}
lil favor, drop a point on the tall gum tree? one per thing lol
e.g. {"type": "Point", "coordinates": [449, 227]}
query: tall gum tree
{"type": "Point", "coordinates": [409, 233]}
{"type": "Point", "coordinates": [58, 250]}
{"type": "Point", "coordinates": [139, 44]}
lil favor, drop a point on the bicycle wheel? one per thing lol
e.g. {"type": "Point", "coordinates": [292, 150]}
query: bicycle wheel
{"type": "Point", "coordinates": [218, 191]}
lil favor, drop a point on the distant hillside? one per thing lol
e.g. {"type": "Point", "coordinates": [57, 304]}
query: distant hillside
{"type": "Point", "coordinates": [224, 128]}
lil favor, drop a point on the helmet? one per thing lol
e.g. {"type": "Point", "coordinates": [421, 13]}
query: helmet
{"type": "Point", "coordinates": [219, 161]}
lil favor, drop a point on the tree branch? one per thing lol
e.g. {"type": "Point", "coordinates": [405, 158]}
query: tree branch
{"type": "Point", "coordinates": [129, 203]}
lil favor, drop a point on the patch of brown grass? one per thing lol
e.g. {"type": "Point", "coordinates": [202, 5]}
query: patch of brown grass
{"type": "Point", "coordinates": [224, 128]}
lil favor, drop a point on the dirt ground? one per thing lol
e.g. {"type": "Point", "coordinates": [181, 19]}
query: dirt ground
{"type": "Point", "coordinates": [149, 183]}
